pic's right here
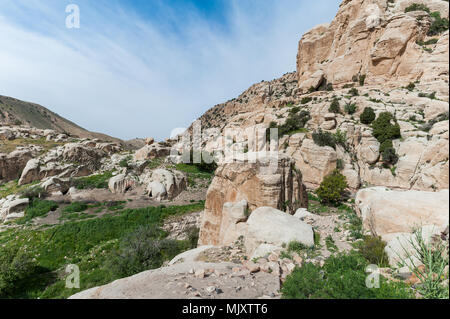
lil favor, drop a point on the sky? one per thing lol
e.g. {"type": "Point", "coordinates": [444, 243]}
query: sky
{"type": "Point", "coordinates": [142, 68]}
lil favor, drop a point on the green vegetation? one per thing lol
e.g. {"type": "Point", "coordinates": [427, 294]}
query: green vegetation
{"type": "Point", "coordinates": [332, 188]}
{"type": "Point", "coordinates": [75, 207]}
{"type": "Point", "coordinates": [341, 277]}
{"type": "Point", "coordinates": [91, 244]}
{"type": "Point", "coordinates": [438, 24]}
{"type": "Point", "coordinates": [362, 79]}
{"type": "Point", "coordinates": [37, 208]}
{"type": "Point", "coordinates": [411, 86]}
{"type": "Point", "coordinates": [350, 108]}
{"type": "Point", "coordinates": [7, 146]}
{"type": "Point", "coordinates": [16, 266]}
{"type": "Point", "coordinates": [331, 245]}
{"type": "Point", "coordinates": [372, 249]}
{"type": "Point", "coordinates": [334, 107]}
{"type": "Point", "coordinates": [295, 123]}
{"type": "Point", "coordinates": [324, 138]}
{"type": "Point", "coordinates": [417, 7]}
{"type": "Point", "coordinates": [431, 96]}
{"type": "Point", "coordinates": [12, 187]}
{"type": "Point", "coordinates": [367, 116]}
{"type": "Point", "coordinates": [353, 92]}
{"type": "Point", "coordinates": [306, 100]}
{"type": "Point", "coordinates": [434, 257]}
{"type": "Point", "coordinates": [93, 181]}
{"type": "Point", "coordinates": [125, 162]}
{"type": "Point", "coordinates": [385, 127]}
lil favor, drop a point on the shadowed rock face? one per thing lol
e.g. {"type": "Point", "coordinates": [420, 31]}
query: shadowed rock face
{"type": "Point", "coordinates": [281, 189]}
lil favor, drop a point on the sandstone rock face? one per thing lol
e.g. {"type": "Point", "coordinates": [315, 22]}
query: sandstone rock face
{"type": "Point", "coordinates": [233, 222]}
{"type": "Point", "coordinates": [271, 226]}
{"type": "Point", "coordinates": [372, 38]}
{"type": "Point", "coordinates": [315, 162]}
{"type": "Point", "coordinates": [387, 212]}
{"type": "Point", "coordinates": [257, 184]}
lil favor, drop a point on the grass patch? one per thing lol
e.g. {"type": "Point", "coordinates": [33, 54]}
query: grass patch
{"type": "Point", "coordinates": [93, 181]}
{"type": "Point", "coordinates": [90, 244]}
{"type": "Point", "coordinates": [37, 208]}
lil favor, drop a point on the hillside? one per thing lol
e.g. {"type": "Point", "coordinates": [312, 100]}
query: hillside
{"type": "Point", "coordinates": [17, 112]}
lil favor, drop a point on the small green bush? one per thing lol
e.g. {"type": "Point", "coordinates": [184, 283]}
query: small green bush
{"type": "Point", "coordinates": [324, 138]}
{"type": "Point", "coordinates": [367, 116]}
{"type": "Point", "coordinates": [353, 92]}
{"type": "Point", "coordinates": [411, 86]}
{"type": "Point", "coordinates": [389, 156]}
{"type": "Point", "coordinates": [372, 249]}
{"type": "Point", "coordinates": [362, 79]}
{"type": "Point", "coordinates": [294, 123]}
{"type": "Point", "coordinates": [417, 7]}
{"type": "Point", "coordinates": [384, 129]}
{"type": "Point", "coordinates": [332, 188]}
{"type": "Point", "coordinates": [350, 108]}
{"type": "Point", "coordinates": [438, 24]}
{"type": "Point", "coordinates": [334, 107]}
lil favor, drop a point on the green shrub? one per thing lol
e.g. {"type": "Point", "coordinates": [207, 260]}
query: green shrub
{"type": "Point", "coordinates": [15, 266]}
{"type": "Point", "coordinates": [350, 108]}
{"type": "Point", "coordinates": [384, 129]}
{"type": "Point", "coordinates": [294, 123]}
{"type": "Point", "coordinates": [334, 107]}
{"type": "Point", "coordinates": [438, 24]}
{"type": "Point", "coordinates": [332, 188]}
{"type": "Point", "coordinates": [306, 100]}
{"type": "Point", "coordinates": [353, 92]}
{"type": "Point", "coordinates": [342, 277]}
{"type": "Point", "coordinates": [324, 138]}
{"type": "Point", "coordinates": [192, 236]}
{"type": "Point", "coordinates": [367, 116]}
{"type": "Point", "coordinates": [417, 7]}
{"type": "Point", "coordinates": [389, 156]}
{"type": "Point", "coordinates": [362, 79]}
{"type": "Point", "coordinates": [372, 249]}
{"type": "Point", "coordinates": [411, 86]}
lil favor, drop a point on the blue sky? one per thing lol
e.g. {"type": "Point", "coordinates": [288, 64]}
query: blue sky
{"type": "Point", "coordinates": [145, 67]}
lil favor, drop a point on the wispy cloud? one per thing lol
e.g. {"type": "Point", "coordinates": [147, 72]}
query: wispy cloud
{"type": "Point", "coordinates": [130, 74]}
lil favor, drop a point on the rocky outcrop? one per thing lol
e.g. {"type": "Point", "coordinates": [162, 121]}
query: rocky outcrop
{"type": "Point", "coordinates": [374, 39]}
{"type": "Point", "coordinates": [388, 212]}
{"type": "Point", "coordinates": [268, 181]}
{"type": "Point", "coordinates": [151, 151]}
{"type": "Point", "coordinates": [12, 164]}
{"type": "Point", "coordinates": [121, 183]}
{"type": "Point", "coordinates": [12, 205]}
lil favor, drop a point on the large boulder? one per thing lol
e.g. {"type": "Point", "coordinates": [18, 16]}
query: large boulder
{"type": "Point", "coordinates": [267, 181]}
{"type": "Point", "coordinates": [152, 151]}
{"type": "Point", "coordinates": [121, 183]}
{"type": "Point", "coordinates": [386, 212]}
{"type": "Point", "coordinates": [267, 225]}
{"type": "Point", "coordinates": [12, 164]}
{"type": "Point", "coordinates": [12, 205]}
{"type": "Point", "coordinates": [164, 184]}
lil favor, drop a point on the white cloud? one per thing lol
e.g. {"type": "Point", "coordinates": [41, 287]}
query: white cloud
{"type": "Point", "coordinates": [128, 77]}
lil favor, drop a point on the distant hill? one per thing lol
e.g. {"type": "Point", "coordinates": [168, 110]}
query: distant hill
{"type": "Point", "coordinates": [17, 112]}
